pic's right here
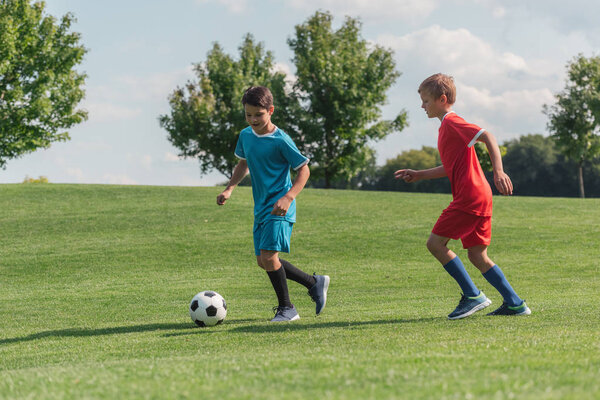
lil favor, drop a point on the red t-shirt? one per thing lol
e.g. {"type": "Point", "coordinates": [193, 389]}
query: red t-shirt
{"type": "Point", "coordinates": [471, 192]}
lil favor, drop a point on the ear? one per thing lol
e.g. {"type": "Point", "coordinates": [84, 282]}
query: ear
{"type": "Point", "coordinates": [271, 109]}
{"type": "Point", "coordinates": [443, 99]}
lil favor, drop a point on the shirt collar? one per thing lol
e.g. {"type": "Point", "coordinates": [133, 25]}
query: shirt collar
{"type": "Point", "coordinates": [449, 112]}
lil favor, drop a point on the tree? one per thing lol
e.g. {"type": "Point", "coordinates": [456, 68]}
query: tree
{"type": "Point", "coordinates": [484, 157]}
{"type": "Point", "coordinates": [575, 118]}
{"type": "Point", "coordinates": [207, 116]}
{"type": "Point", "coordinates": [427, 157]}
{"type": "Point", "coordinates": [342, 81]}
{"type": "Point", "coordinates": [532, 162]}
{"type": "Point", "coordinates": [39, 88]}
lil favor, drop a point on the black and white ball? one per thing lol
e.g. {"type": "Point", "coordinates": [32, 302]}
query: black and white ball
{"type": "Point", "coordinates": [208, 308]}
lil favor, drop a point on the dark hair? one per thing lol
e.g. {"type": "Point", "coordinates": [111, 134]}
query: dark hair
{"type": "Point", "coordinates": [258, 96]}
{"type": "Point", "coordinates": [438, 85]}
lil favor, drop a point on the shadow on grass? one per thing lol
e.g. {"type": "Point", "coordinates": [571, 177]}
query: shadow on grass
{"type": "Point", "coordinates": [289, 326]}
{"type": "Point", "coordinates": [193, 329]}
{"type": "Point", "coordinates": [267, 326]}
{"type": "Point", "coordinates": [82, 332]}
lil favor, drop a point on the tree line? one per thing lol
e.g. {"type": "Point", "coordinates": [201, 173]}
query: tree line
{"type": "Point", "coordinates": [534, 162]}
{"type": "Point", "coordinates": [333, 112]}
{"type": "Point", "coordinates": [331, 107]}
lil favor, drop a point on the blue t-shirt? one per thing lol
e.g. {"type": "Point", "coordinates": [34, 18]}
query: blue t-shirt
{"type": "Point", "coordinates": [269, 159]}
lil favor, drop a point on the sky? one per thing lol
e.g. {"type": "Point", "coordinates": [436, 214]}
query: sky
{"type": "Point", "coordinates": [508, 59]}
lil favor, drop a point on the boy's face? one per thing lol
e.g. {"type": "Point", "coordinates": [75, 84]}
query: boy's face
{"type": "Point", "coordinates": [259, 118]}
{"type": "Point", "coordinates": [435, 108]}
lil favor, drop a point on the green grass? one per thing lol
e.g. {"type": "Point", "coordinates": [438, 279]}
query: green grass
{"type": "Point", "coordinates": [95, 282]}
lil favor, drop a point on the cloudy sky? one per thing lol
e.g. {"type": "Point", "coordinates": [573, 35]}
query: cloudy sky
{"type": "Point", "coordinates": [508, 59]}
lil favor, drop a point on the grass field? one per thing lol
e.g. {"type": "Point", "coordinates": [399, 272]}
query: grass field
{"type": "Point", "coordinates": [95, 283]}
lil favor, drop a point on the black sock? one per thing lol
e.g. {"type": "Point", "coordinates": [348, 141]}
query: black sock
{"type": "Point", "coordinates": [298, 275]}
{"type": "Point", "coordinates": [279, 283]}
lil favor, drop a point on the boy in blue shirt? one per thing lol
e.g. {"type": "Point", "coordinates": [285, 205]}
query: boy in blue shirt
{"type": "Point", "coordinates": [269, 153]}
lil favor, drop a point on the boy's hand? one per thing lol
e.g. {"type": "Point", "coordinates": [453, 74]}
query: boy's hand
{"type": "Point", "coordinates": [223, 197]}
{"type": "Point", "coordinates": [409, 175]}
{"type": "Point", "coordinates": [281, 206]}
{"type": "Point", "coordinates": [503, 183]}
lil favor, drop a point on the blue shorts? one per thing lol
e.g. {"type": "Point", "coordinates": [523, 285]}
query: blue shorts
{"type": "Point", "coordinates": [273, 235]}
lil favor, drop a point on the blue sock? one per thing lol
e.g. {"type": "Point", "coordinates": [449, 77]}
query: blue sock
{"type": "Point", "coordinates": [457, 270]}
{"type": "Point", "coordinates": [497, 279]}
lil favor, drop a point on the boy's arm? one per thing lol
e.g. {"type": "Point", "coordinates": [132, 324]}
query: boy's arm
{"type": "Point", "coordinates": [411, 175]}
{"type": "Point", "coordinates": [283, 204]}
{"type": "Point", "coordinates": [501, 180]}
{"type": "Point", "coordinates": [239, 172]}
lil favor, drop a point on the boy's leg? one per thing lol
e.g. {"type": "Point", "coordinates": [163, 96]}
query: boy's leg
{"type": "Point", "coordinates": [269, 261]}
{"type": "Point", "coordinates": [437, 245]}
{"type": "Point", "coordinates": [269, 239]}
{"type": "Point", "coordinates": [494, 275]}
{"type": "Point", "coordinates": [472, 299]}
{"type": "Point", "coordinates": [297, 275]}
{"type": "Point", "coordinates": [317, 285]}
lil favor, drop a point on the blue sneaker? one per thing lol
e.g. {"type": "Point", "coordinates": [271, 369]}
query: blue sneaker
{"type": "Point", "coordinates": [469, 305]}
{"type": "Point", "coordinates": [285, 314]}
{"type": "Point", "coordinates": [318, 292]}
{"type": "Point", "coordinates": [505, 309]}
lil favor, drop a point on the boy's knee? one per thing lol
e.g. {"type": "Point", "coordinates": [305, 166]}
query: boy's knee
{"type": "Point", "coordinates": [477, 255]}
{"type": "Point", "coordinates": [269, 260]}
{"type": "Point", "coordinates": [432, 245]}
{"type": "Point", "coordinates": [474, 257]}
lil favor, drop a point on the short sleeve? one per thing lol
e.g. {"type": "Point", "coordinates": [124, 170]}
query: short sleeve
{"type": "Point", "coordinates": [239, 148]}
{"type": "Point", "coordinates": [291, 153]}
{"type": "Point", "coordinates": [468, 132]}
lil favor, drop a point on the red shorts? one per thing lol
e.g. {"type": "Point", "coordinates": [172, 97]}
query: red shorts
{"type": "Point", "coordinates": [472, 230]}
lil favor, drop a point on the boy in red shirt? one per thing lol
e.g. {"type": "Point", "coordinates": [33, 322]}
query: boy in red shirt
{"type": "Point", "coordinates": [469, 215]}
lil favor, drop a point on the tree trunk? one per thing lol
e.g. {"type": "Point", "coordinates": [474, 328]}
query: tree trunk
{"type": "Point", "coordinates": [580, 176]}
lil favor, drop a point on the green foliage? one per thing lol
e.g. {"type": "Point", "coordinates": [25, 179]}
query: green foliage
{"type": "Point", "coordinates": [207, 115]}
{"type": "Point", "coordinates": [96, 280]}
{"type": "Point", "coordinates": [427, 157]}
{"type": "Point", "coordinates": [41, 179]}
{"type": "Point", "coordinates": [332, 112]}
{"type": "Point", "coordinates": [342, 81]}
{"type": "Point", "coordinates": [533, 162]}
{"type": "Point", "coordinates": [39, 88]}
{"type": "Point", "coordinates": [484, 157]}
{"type": "Point", "coordinates": [575, 118]}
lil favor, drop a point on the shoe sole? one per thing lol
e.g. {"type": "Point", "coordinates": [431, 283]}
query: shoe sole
{"type": "Point", "coordinates": [325, 288]}
{"type": "Point", "coordinates": [294, 318]}
{"type": "Point", "coordinates": [527, 311]}
{"type": "Point", "coordinates": [473, 310]}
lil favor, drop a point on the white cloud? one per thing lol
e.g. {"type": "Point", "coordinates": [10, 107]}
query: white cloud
{"type": "Point", "coordinates": [235, 6]}
{"type": "Point", "coordinates": [127, 96]}
{"type": "Point", "coordinates": [290, 78]}
{"type": "Point", "coordinates": [171, 157]}
{"type": "Point", "coordinates": [498, 12]}
{"type": "Point", "coordinates": [146, 161]}
{"type": "Point", "coordinates": [154, 86]}
{"type": "Point", "coordinates": [107, 112]}
{"type": "Point", "coordinates": [118, 179]}
{"type": "Point", "coordinates": [76, 173]}
{"type": "Point", "coordinates": [500, 90]}
{"type": "Point", "coordinates": [506, 114]}
{"type": "Point", "coordinates": [406, 10]}
{"type": "Point", "coordinates": [140, 161]}
{"type": "Point", "coordinates": [461, 54]}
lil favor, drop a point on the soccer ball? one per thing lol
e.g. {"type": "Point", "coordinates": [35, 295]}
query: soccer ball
{"type": "Point", "coordinates": [208, 308]}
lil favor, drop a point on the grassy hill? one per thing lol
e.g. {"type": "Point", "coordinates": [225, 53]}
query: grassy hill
{"type": "Point", "coordinates": [95, 282]}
